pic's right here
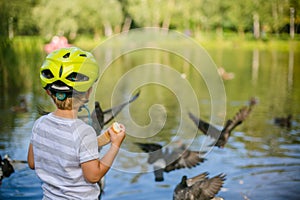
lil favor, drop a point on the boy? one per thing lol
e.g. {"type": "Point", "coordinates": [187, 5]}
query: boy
{"type": "Point", "coordinates": [63, 149]}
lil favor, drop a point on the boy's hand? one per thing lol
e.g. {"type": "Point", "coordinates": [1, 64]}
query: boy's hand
{"type": "Point", "coordinates": [117, 138]}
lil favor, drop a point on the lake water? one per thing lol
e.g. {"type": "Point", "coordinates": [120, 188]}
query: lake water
{"type": "Point", "coordinates": [261, 160]}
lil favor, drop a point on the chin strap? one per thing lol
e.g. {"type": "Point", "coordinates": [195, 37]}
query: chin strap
{"type": "Point", "coordinates": [90, 122]}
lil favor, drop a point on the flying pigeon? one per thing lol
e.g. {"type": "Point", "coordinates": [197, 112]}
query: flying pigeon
{"type": "Point", "coordinates": [199, 187]}
{"type": "Point", "coordinates": [166, 161]}
{"type": "Point", "coordinates": [222, 136]}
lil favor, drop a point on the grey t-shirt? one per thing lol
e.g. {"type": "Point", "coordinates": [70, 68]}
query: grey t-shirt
{"type": "Point", "coordinates": [60, 145]}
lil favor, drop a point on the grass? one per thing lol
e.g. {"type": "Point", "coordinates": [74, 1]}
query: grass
{"type": "Point", "coordinates": [211, 40]}
{"type": "Point", "coordinates": [283, 43]}
{"type": "Point", "coordinates": [208, 40]}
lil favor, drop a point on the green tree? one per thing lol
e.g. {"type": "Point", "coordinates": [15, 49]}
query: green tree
{"type": "Point", "coordinates": [15, 17]}
{"type": "Point", "coordinates": [105, 17]}
{"type": "Point", "coordinates": [146, 13]}
{"type": "Point", "coordinates": [240, 15]}
{"type": "Point", "coordinates": [4, 18]}
{"type": "Point", "coordinates": [187, 15]}
{"type": "Point", "coordinates": [57, 17]}
{"type": "Point", "coordinates": [100, 17]}
{"type": "Point", "coordinates": [215, 15]}
{"type": "Point", "coordinates": [152, 13]}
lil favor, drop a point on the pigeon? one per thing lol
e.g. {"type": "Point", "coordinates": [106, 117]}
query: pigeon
{"type": "Point", "coordinates": [166, 161]}
{"type": "Point", "coordinates": [283, 121]}
{"type": "Point", "coordinates": [199, 187]}
{"type": "Point", "coordinates": [100, 118]}
{"type": "Point", "coordinates": [6, 168]}
{"type": "Point", "coordinates": [222, 136]}
{"type": "Point", "coordinates": [97, 117]}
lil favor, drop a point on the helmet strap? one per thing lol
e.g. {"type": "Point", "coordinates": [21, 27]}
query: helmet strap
{"type": "Point", "coordinates": [90, 122]}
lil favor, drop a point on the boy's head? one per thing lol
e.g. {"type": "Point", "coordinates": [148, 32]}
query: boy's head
{"type": "Point", "coordinates": [67, 74]}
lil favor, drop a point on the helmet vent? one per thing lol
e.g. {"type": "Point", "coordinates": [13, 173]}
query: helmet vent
{"type": "Point", "coordinates": [83, 55]}
{"type": "Point", "coordinates": [67, 55]}
{"type": "Point", "coordinates": [77, 77]}
{"type": "Point", "coordinates": [47, 74]}
{"type": "Point", "coordinates": [60, 71]}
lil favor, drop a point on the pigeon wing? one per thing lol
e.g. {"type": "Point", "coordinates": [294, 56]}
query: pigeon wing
{"type": "Point", "coordinates": [239, 117]}
{"type": "Point", "coordinates": [209, 187]}
{"type": "Point", "coordinates": [149, 147]}
{"type": "Point", "coordinates": [97, 117]}
{"type": "Point", "coordinates": [205, 127]}
{"type": "Point", "coordinates": [182, 159]}
{"type": "Point", "coordinates": [110, 114]}
{"type": "Point", "coordinates": [199, 178]}
{"type": "Point", "coordinates": [154, 150]}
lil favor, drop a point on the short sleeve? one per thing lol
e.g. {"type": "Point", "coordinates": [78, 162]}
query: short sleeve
{"type": "Point", "coordinates": [33, 130]}
{"type": "Point", "coordinates": [88, 146]}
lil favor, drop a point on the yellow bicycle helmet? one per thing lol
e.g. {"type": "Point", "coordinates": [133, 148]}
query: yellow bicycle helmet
{"type": "Point", "coordinates": [69, 70]}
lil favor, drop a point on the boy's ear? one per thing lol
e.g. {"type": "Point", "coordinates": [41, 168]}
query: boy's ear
{"type": "Point", "coordinates": [89, 92]}
{"type": "Point", "coordinates": [48, 92]}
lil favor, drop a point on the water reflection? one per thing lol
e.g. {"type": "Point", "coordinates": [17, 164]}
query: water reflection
{"type": "Point", "coordinates": [255, 66]}
{"type": "Point", "coordinates": [261, 160]}
{"type": "Point", "coordinates": [291, 67]}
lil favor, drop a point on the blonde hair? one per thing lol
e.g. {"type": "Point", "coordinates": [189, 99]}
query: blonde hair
{"type": "Point", "coordinates": [70, 103]}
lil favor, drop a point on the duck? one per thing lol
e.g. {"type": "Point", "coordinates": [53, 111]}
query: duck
{"type": "Point", "coordinates": [225, 75]}
{"type": "Point", "coordinates": [284, 121]}
{"type": "Point", "coordinates": [221, 136]}
{"type": "Point", "coordinates": [169, 160]}
{"type": "Point", "coordinates": [200, 187]}
{"type": "Point", "coordinates": [6, 168]}
{"type": "Point", "coordinates": [21, 107]}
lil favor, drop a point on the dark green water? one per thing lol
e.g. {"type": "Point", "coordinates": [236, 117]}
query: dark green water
{"type": "Point", "coordinates": [261, 160]}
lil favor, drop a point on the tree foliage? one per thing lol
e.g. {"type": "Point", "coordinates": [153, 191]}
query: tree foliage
{"type": "Point", "coordinates": [106, 17]}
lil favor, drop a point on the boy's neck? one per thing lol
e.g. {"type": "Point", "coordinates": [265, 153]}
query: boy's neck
{"type": "Point", "coordinates": [71, 114]}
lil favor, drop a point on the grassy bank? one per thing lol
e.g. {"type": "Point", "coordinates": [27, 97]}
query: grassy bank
{"type": "Point", "coordinates": [206, 40]}
{"type": "Point", "coordinates": [213, 41]}
{"type": "Point", "coordinates": [231, 40]}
